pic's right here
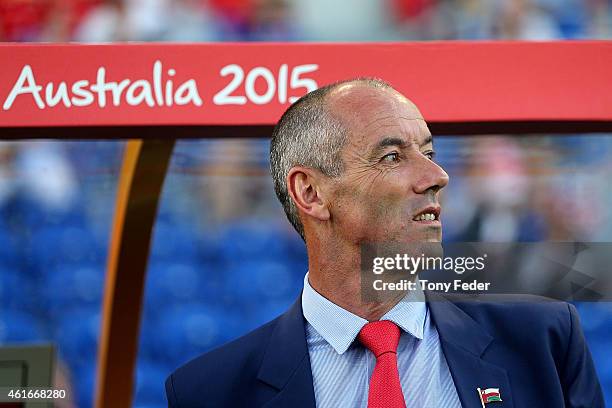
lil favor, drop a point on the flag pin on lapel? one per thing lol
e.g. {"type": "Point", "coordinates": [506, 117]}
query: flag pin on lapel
{"type": "Point", "coordinates": [489, 395]}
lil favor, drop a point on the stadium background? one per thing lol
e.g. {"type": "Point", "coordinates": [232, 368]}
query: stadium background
{"type": "Point", "coordinates": [224, 260]}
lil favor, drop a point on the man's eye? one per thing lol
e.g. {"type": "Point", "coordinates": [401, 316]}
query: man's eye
{"type": "Point", "coordinates": [430, 155]}
{"type": "Point", "coordinates": [391, 157]}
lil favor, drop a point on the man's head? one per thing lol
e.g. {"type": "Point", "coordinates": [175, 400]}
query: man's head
{"type": "Point", "coordinates": [352, 161]}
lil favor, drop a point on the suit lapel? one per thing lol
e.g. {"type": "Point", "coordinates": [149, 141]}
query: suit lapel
{"type": "Point", "coordinates": [286, 363]}
{"type": "Point", "coordinates": [464, 342]}
{"type": "Point", "coordinates": [298, 391]}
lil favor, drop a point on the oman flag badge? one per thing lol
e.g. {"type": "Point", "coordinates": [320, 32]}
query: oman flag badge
{"type": "Point", "coordinates": [489, 395]}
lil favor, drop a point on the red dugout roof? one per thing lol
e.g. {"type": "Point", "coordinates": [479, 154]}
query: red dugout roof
{"type": "Point", "coordinates": [459, 86]}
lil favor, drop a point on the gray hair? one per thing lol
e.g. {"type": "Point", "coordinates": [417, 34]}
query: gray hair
{"type": "Point", "coordinates": [309, 135]}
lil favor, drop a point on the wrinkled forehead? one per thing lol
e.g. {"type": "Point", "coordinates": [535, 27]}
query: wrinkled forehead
{"type": "Point", "coordinates": [371, 113]}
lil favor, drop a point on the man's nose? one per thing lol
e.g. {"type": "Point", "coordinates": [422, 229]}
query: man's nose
{"type": "Point", "coordinates": [432, 177]}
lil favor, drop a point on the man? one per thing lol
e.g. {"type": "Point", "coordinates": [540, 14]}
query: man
{"type": "Point", "coordinates": [352, 163]}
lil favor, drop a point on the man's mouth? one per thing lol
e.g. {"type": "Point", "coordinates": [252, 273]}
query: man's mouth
{"type": "Point", "coordinates": [428, 214]}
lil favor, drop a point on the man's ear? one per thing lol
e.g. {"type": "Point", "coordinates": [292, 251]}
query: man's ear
{"type": "Point", "coordinates": [305, 186]}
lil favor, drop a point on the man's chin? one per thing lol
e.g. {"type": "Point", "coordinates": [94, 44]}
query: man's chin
{"type": "Point", "coordinates": [412, 239]}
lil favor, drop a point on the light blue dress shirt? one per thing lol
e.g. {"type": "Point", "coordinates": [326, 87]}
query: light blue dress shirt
{"type": "Point", "coordinates": [342, 367]}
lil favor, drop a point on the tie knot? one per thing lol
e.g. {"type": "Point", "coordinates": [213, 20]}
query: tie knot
{"type": "Point", "coordinates": [380, 337]}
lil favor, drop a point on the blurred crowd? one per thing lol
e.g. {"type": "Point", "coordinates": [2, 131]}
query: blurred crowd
{"type": "Point", "coordinates": [302, 20]}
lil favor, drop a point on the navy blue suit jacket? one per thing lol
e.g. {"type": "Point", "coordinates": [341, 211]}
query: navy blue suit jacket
{"type": "Point", "coordinates": [533, 351]}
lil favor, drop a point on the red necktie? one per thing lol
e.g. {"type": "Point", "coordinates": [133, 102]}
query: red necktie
{"type": "Point", "coordinates": [381, 338]}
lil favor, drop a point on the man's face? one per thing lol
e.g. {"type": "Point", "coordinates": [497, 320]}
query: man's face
{"type": "Point", "coordinates": [389, 189]}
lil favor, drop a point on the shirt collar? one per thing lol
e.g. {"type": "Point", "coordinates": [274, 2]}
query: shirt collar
{"type": "Point", "coordinates": [339, 327]}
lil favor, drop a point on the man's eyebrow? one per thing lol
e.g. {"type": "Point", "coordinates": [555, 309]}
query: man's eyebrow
{"type": "Point", "coordinates": [386, 142]}
{"type": "Point", "coordinates": [428, 140]}
{"type": "Point", "coordinates": [396, 141]}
